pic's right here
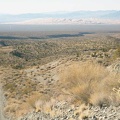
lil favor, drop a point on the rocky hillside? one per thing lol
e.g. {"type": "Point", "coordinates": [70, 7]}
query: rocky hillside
{"type": "Point", "coordinates": [58, 78]}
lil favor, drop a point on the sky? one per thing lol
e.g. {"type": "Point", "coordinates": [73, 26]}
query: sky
{"type": "Point", "coordinates": [42, 6]}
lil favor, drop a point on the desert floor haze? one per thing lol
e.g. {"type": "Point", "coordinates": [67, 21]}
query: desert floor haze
{"type": "Point", "coordinates": [60, 75]}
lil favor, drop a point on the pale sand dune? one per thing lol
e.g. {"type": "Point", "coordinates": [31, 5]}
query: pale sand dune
{"type": "Point", "coordinates": [67, 21]}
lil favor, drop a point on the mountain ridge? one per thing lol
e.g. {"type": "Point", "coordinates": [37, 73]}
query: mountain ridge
{"type": "Point", "coordinates": [106, 15]}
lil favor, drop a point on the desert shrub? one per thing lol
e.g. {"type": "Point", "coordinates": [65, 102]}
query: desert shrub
{"type": "Point", "coordinates": [10, 86]}
{"type": "Point", "coordinates": [112, 87]}
{"type": "Point", "coordinates": [99, 98]}
{"type": "Point", "coordinates": [118, 51]}
{"type": "Point", "coordinates": [26, 90]}
{"type": "Point", "coordinates": [18, 66]}
{"type": "Point", "coordinates": [89, 82]}
{"type": "Point", "coordinates": [32, 100]}
{"type": "Point", "coordinates": [16, 53]}
{"type": "Point", "coordinates": [106, 49]}
{"type": "Point", "coordinates": [116, 54]}
{"type": "Point", "coordinates": [10, 109]}
{"type": "Point", "coordinates": [37, 99]}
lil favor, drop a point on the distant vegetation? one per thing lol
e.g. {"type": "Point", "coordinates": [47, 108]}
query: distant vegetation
{"type": "Point", "coordinates": [23, 52]}
{"type": "Point", "coordinates": [117, 52]}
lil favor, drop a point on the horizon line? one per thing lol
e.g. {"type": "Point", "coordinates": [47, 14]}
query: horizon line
{"type": "Point", "coordinates": [54, 12]}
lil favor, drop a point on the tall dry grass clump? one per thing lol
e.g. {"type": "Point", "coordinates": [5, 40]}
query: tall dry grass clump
{"type": "Point", "coordinates": [89, 82]}
{"type": "Point", "coordinates": [36, 102]}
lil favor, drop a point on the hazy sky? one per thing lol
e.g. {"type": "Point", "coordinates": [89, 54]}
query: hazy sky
{"type": "Point", "coordinates": [39, 6]}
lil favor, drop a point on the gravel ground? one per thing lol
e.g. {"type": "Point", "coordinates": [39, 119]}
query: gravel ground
{"type": "Point", "coordinates": [91, 113]}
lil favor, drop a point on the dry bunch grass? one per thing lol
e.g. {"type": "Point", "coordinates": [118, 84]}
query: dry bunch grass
{"type": "Point", "coordinates": [89, 82]}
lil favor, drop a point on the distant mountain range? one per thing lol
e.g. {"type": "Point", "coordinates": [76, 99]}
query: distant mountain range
{"type": "Point", "coordinates": [77, 17]}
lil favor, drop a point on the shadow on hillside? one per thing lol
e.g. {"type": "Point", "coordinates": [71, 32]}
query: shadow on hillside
{"type": "Point", "coordinates": [69, 35]}
{"type": "Point", "coordinates": [47, 36]}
